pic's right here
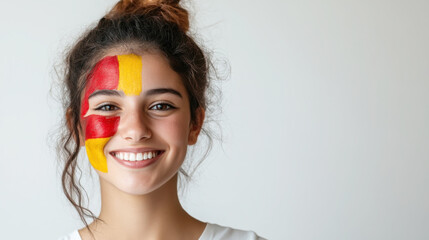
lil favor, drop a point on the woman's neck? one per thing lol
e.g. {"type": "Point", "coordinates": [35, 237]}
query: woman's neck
{"type": "Point", "coordinates": [156, 215]}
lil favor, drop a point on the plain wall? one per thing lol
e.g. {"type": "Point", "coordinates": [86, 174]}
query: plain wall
{"type": "Point", "coordinates": [324, 120]}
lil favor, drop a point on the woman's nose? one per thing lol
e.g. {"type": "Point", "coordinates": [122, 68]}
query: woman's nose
{"type": "Point", "coordinates": [133, 126]}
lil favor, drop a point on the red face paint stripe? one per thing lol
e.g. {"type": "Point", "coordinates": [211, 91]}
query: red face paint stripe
{"type": "Point", "coordinates": [105, 75]}
{"type": "Point", "coordinates": [100, 126]}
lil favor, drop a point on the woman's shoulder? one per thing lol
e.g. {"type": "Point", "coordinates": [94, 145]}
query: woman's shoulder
{"type": "Point", "coordinates": [72, 236]}
{"type": "Point", "coordinates": [218, 232]}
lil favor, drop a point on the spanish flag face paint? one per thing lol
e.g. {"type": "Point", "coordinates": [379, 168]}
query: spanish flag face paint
{"type": "Point", "coordinates": [122, 73]}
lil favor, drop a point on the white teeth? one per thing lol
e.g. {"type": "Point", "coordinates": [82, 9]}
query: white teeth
{"type": "Point", "coordinates": [129, 156]}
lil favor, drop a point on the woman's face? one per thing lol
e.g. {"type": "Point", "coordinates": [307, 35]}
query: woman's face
{"type": "Point", "coordinates": [137, 121]}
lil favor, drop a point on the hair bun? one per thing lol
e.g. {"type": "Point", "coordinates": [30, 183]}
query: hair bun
{"type": "Point", "coordinates": [170, 10]}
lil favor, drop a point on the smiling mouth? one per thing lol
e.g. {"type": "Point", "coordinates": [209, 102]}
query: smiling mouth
{"type": "Point", "coordinates": [136, 156]}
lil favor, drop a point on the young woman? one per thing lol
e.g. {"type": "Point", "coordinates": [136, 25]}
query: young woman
{"type": "Point", "coordinates": [135, 98]}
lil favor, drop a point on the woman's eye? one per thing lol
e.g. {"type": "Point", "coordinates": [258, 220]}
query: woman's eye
{"type": "Point", "coordinates": [162, 107]}
{"type": "Point", "coordinates": [107, 108]}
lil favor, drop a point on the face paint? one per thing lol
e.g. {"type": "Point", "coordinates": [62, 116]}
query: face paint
{"type": "Point", "coordinates": [122, 73]}
{"type": "Point", "coordinates": [130, 74]}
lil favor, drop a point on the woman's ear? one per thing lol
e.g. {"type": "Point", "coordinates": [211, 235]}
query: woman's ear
{"type": "Point", "coordinates": [69, 119]}
{"type": "Point", "coordinates": [196, 126]}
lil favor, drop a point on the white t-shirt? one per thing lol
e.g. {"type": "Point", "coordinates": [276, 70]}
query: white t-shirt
{"type": "Point", "coordinates": [211, 232]}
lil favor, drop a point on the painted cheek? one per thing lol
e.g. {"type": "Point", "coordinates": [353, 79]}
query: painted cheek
{"type": "Point", "coordinates": [98, 131]}
{"type": "Point", "coordinates": [100, 126]}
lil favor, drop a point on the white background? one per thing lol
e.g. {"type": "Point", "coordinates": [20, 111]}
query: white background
{"type": "Point", "coordinates": [325, 117]}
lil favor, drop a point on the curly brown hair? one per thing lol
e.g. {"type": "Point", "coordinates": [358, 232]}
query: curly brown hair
{"type": "Point", "coordinates": [137, 27]}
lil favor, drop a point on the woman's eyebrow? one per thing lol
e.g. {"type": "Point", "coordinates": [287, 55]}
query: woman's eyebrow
{"type": "Point", "coordinates": [163, 90]}
{"type": "Point", "coordinates": [106, 92]}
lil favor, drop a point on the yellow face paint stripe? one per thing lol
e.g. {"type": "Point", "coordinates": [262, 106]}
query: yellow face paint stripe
{"type": "Point", "coordinates": [130, 74]}
{"type": "Point", "coordinates": [95, 151]}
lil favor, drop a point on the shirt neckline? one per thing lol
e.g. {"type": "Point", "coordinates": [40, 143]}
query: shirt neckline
{"type": "Point", "coordinates": [203, 236]}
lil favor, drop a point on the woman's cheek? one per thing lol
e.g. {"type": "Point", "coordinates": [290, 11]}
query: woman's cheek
{"type": "Point", "coordinates": [177, 130]}
{"type": "Point", "coordinates": [98, 131]}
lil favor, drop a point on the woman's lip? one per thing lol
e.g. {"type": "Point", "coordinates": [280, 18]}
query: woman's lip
{"type": "Point", "coordinates": [137, 164]}
{"type": "Point", "coordinates": [135, 150]}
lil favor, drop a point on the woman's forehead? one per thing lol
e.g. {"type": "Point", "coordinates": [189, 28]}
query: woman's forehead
{"type": "Point", "coordinates": [121, 72]}
{"type": "Point", "coordinates": [127, 72]}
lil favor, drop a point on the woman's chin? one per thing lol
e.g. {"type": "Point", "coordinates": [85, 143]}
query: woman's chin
{"type": "Point", "coordinates": [136, 185]}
